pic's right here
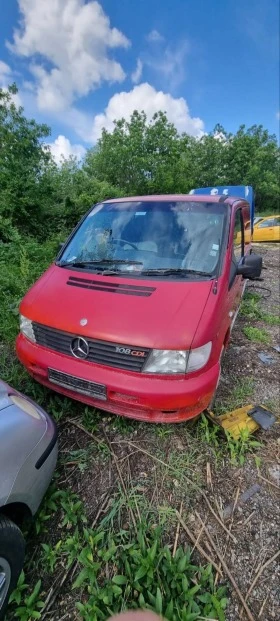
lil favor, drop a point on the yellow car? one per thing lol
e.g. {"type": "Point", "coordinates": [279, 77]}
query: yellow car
{"type": "Point", "coordinates": [267, 229]}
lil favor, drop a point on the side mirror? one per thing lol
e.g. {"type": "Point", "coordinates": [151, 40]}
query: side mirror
{"type": "Point", "coordinates": [251, 266]}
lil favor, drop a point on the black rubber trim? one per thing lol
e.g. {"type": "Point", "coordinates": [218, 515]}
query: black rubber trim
{"type": "Point", "coordinates": [49, 448]}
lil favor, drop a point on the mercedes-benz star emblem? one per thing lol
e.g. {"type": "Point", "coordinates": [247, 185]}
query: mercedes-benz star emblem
{"type": "Point", "coordinates": [80, 348]}
{"type": "Point", "coordinates": [83, 322]}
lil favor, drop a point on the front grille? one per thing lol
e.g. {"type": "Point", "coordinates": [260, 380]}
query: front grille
{"type": "Point", "coordinates": [99, 352]}
{"type": "Point", "coordinates": [79, 385]}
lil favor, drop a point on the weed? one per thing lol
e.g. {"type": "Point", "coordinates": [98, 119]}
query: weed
{"type": "Point", "coordinates": [81, 457]}
{"type": "Point", "coordinates": [163, 431]}
{"type": "Point", "coordinates": [73, 510]}
{"type": "Point", "coordinates": [103, 448]}
{"type": "Point", "coordinates": [240, 393]}
{"type": "Point", "coordinates": [124, 425]}
{"type": "Point", "coordinates": [208, 432]}
{"type": "Point", "coordinates": [60, 500]}
{"type": "Point", "coordinates": [258, 461]}
{"type": "Point", "coordinates": [141, 573]}
{"type": "Point", "coordinates": [271, 320]}
{"type": "Point", "coordinates": [167, 515]}
{"type": "Point", "coordinates": [30, 606]}
{"type": "Point", "coordinates": [251, 308]}
{"type": "Point", "coordinates": [18, 593]}
{"type": "Point", "coordinates": [49, 506]}
{"type": "Point", "coordinates": [72, 547]}
{"type": "Point", "coordinates": [256, 334]}
{"type": "Point", "coordinates": [181, 462]}
{"type": "Point", "coordinates": [50, 556]}
{"type": "Point", "coordinates": [238, 448]}
{"type": "Point", "coordinates": [90, 419]}
{"type": "Point", "coordinates": [59, 406]}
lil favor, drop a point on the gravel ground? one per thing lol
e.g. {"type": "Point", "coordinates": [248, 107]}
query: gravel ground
{"type": "Point", "coordinates": [256, 523]}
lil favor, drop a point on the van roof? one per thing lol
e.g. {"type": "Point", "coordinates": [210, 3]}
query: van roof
{"type": "Point", "coordinates": [176, 197]}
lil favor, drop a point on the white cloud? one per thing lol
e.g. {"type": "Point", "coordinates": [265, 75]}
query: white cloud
{"type": "Point", "coordinates": [170, 63]}
{"type": "Point", "coordinates": [73, 38]}
{"type": "Point", "coordinates": [278, 115]}
{"type": "Point", "coordinates": [145, 97]}
{"type": "Point", "coordinates": [136, 75]}
{"type": "Point", "coordinates": [5, 72]}
{"type": "Point", "coordinates": [154, 36]}
{"type": "Point", "coordinates": [62, 148]}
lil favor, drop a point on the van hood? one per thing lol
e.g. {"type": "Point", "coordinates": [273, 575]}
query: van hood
{"type": "Point", "coordinates": [159, 314]}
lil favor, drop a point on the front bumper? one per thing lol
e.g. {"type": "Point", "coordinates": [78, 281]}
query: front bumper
{"type": "Point", "coordinates": [135, 395]}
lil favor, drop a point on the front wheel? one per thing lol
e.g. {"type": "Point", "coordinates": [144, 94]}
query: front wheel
{"type": "Point", "coordinates": [12, 549]}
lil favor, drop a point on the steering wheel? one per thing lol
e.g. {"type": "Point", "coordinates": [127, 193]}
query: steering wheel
{"type": "Point", "coordinates": [123, 242]}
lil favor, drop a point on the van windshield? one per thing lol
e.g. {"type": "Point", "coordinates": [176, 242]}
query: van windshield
{"type": "Point", "coordinates": [143, 237]}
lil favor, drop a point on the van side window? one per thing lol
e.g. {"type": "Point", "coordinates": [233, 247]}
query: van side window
{"type": "Point", "coordinates": [238, 239]}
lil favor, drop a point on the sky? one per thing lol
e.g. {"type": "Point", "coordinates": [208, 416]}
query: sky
{"type": "Point", "coordinates": [80, 64]}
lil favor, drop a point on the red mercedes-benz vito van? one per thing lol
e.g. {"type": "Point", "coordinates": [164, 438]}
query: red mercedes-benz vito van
{"type": "Point", "coordinates": [135, 312]}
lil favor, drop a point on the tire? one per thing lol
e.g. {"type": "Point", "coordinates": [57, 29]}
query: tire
{"type": "Point", "coordinates": [12, 548]}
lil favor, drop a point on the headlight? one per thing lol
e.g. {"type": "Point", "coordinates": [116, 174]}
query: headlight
{"type": "Point", "coordinates": [166, 361]}
{"type": "Point", "coordinates": [26, 328]}
{"type": "Point", "coordinates": [199, 357]}
{"type": "Point", "coordinates": [25, 405]}
{"type": "Point", "coordinates": [182, 361]}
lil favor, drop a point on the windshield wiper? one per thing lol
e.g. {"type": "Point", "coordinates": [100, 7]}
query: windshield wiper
{"type": "Point", "coordinates": [99, 262]}
{"type": "Point", "coordinates": [174, 271]}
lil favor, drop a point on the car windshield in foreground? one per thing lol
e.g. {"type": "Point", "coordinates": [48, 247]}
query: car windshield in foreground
{"type": "Point", "coordinates": [162, 238]}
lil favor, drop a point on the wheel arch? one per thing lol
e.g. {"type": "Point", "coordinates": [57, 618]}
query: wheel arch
{"type": "Point", "coordinates": [18, 512]}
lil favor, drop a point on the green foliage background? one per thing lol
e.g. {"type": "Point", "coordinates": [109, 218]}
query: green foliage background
{"type": "Point", "coordinates": [41, 199]}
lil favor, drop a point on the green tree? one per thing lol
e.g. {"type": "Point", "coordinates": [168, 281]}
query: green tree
{"type": "Point", "coordinates": [144, 157]}
{"type": "Point", "coordinates": [140, 157]}
{"type": "Point", "coordinates": [208, 158]}
{"type": "Point", "coordinates": [74, 192]}
{"type": "Point", "coordinates": [24, 186]}
{"type": "Point", "coordinates": [252, 157]}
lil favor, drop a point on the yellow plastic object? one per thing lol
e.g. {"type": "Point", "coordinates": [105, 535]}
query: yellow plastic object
{"type": "Point", "coordinates": [235, 422]}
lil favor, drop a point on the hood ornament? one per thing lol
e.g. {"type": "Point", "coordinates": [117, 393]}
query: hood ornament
{"type": "Point", "coordinates": [83, 322]}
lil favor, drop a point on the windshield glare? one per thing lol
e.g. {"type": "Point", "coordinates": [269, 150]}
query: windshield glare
{"type": "Point", "coordinates": [155, 235]}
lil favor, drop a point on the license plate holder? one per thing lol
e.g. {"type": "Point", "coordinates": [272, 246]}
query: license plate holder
{"type": "Point", "coordinates": [78, 384]}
